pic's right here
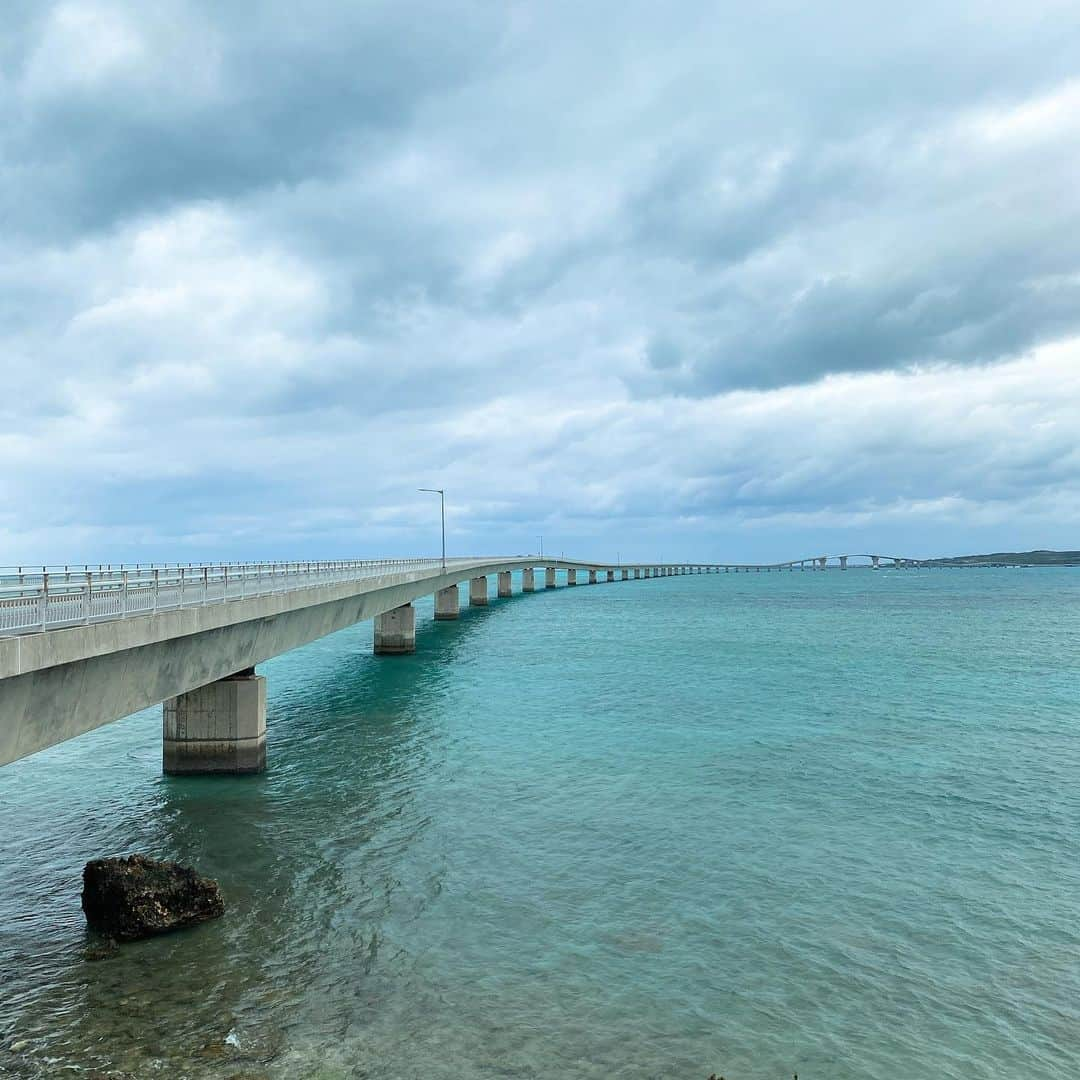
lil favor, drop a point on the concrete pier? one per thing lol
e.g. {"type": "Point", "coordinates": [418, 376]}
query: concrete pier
{"type": "Point", "coordinates": [505, 583]}
{"type": "Point", "coordinates": [528, 580]}
{"type": "Point", "coordinates": [217, 728]}
{"type": "Point", "coordinates": [592, 577]}
{"type": "Point", "coordinates": [549, 578]}
{"type": "Point", "coordinates": [611, 575]}
{"type": "Point", "coordinates": [478, 592]}
{"type": "Point", "coordinates": [626, 575]}
{"type": "Point", "coordinates": [571, 577]}
{"type": "Point", "coordinates": [448, 603]}
{"type": "Point", "coordinates": [876, 561]}
{"type": "Point", "coordinates": [395, 631]}
{"type": "Point", "coordinates": [637, 574]}
{"type": "Point", "coordinates": [843, 562]}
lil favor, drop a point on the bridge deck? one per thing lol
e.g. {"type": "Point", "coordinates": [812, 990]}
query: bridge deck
{"type": "Point", "coordinates": [52, 598]}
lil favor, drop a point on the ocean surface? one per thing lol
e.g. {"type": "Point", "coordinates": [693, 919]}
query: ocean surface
{"type": "Point", "coordinates": [745, 824]}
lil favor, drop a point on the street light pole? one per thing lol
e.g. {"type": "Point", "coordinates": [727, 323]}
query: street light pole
{"type": "Point", "coordinates": [442, 515]}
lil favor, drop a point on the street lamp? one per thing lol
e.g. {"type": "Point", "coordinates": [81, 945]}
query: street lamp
{"type": "Point", "coordinates": [442, 513]}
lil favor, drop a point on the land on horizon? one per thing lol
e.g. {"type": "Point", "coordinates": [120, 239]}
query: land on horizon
{"type": "Point", "coordinates": [1010, 558]}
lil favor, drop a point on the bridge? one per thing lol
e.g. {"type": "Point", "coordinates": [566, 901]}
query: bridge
{"type": "Point", "coordinates": [84, 646]}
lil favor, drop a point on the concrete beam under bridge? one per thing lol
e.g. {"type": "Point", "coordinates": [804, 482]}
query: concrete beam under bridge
{"type": "Point", "coordinates": [217, 728]}
{"type": "Point", "coordinates": [448, 603]}
{"type": "Point", "coordinates": [478, 592]}
{"type": "Point", "coordinates": [395, 631]}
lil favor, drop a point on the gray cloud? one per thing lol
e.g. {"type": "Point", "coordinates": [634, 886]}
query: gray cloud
{"type": "Point", "coordinates": [600, 269]}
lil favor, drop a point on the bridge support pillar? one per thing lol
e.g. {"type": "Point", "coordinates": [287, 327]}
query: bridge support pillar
{"type": "Point", "coordinates": [843, 562]}
{"type": "Point", "coordinates": [876, 561]}
{"type": "Point", "coordinates": [592, 577]}
{"type": "Point", "coordinates": [505, 583]}
{"type": "Point", "coordinates": [611, 575]}
{"type": "Point", "coordinates": [549, 578]}
{"type": "Point", "coordinates": [478, 592]}
{"type": "Point", "coordinates": [217, 728]}
{"type": "Point", "coordinates": [571, 577]}
{"type": "Point", "coordinates": [528, 580]}
{"type": "Point", "coordinates": [395, 631]}
{"type": "Point", "coordinates": [823, 562]}
{"type": "Point", "coordinates": [448, 603]}
{"type": "Point", "coordinates": [625, 575]}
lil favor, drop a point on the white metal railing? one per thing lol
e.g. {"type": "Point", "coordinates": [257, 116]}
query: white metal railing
{"type": "Point", "coordinates": [48, 597]}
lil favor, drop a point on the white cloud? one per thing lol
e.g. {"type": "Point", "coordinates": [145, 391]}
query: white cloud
{"type": "Point", "coordinates": [720, 290]}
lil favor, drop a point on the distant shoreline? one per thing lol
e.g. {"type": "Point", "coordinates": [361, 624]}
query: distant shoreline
{"type": "Point", "coordinates": [1010, 558]}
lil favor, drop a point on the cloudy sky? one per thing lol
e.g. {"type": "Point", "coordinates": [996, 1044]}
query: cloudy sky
{"type": "Point", "coordinates": [711, 281]}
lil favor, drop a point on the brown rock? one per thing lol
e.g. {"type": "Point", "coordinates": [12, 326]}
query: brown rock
{"type": "Point", "coordinates": [137, 897]}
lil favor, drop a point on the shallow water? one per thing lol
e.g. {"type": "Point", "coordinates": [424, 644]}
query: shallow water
{"type": "Point", "coordinates": [751, 824]}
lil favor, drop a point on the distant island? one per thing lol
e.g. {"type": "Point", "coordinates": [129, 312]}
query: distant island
{"type": "Point", "coordinates": [1010, 558]}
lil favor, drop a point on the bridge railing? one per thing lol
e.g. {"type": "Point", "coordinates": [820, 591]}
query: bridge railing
{"type": "Point", "coordinates": [50, 597]}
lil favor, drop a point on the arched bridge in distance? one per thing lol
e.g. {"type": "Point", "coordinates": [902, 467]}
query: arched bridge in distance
{"type": "Point", "coordinates": [83, 646]}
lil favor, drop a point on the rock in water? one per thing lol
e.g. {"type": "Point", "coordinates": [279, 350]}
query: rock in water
{"type": "Point", "coordinates": [136, 897]}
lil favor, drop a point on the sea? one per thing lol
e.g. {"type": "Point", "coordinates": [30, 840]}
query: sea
{"type": "Point", "coordinates": [750, 825]}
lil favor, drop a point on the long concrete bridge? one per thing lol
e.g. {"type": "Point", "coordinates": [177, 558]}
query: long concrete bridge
{"type": "Point", "coordinates": [83, 646]}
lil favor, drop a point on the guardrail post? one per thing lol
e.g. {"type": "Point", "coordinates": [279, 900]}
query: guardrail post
{"type": "Point", "coordinates": [124, 593]}
{"type": "Point", "coordinates": [87, 596]}
{"type": "Point", "coordinates": [156, 583]}
{"type": "Point", "coordinates": [44, 598]}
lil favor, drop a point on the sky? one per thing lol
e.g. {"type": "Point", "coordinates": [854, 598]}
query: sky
{"type": "Point", "coordinates": [701, 281]}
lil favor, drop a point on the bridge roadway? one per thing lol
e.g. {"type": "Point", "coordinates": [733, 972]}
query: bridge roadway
{"type": "Point", "coordinates": [83, 647]}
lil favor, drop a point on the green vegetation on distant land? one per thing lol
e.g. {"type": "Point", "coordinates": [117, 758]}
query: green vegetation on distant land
{"type": "Point", "coordinates": [1012, 558]}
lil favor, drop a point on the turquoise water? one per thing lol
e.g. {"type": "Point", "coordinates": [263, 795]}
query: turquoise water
{"type": "Point", "coordinates": [751, 824]}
